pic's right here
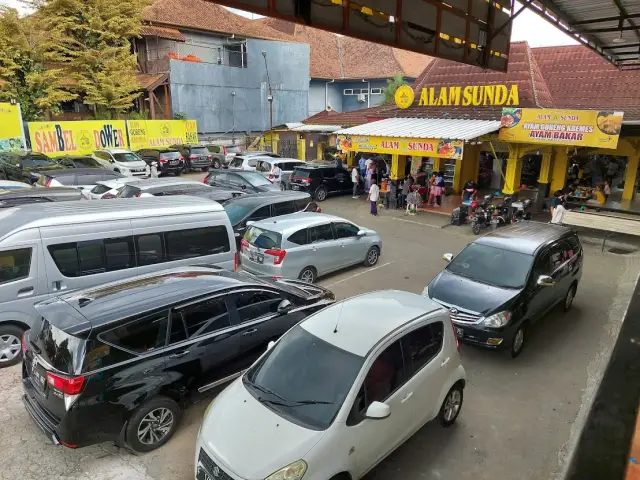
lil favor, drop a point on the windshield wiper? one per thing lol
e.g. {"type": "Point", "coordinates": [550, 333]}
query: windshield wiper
{"type": "Point", "coordinates": [266, 390]}
{"type": "Point", "coordinates": [310, 402]}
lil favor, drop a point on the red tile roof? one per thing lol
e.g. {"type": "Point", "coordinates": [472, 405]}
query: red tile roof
{"type": "Point", "coordinates": [347, 119]}
{"type": "Point", "coordinates": [161, 32]}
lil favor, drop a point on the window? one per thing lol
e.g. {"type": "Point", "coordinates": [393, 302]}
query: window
{"type": "Point", "coordinates": [140, 336]}
{"type": "Point", "coordinates": [574, 243]}
{"type": "Point", "coordinates": [37, 161]}
{"type": "Point", "coordinates": [211, 314]}
{"type": "Point", "coordinates": [91, 257]}
{"type": "Point", "coordinates": [376, 91]}
{"type": "Point", "coordinates": [328, 172]}
{"type": "Point", "coordinates": [85, 162]}
{"type": "Point", "coordinates": [348, 91]}
{"type": "Point", "coordinates": [542, 265]}
{"type": "Point", "coordinates": [253, 162]}
{"type": "Point", "coordinates": [196, 242]}
{"type": "Point", "coordinates": [100, 189]}
{"type": "Point", "coordinates": [261, 213]}
{"type": "Point", "coordinates": [284, 208]}
{"type": "Point", "coordinates": [65, 257]}
{"type": "Point", "coordinates": [220, 177]}
{"type": "Point", "coordinates": [346, 230]}
{"type": "Point", "coordinates": [236, 162]}
{"type": "Point", "coordinates": [424, 344]}
{"type": "Point", "coordinates": [61, 179]}
{"type": "Point", "coordinates": [14, 264]}
{"type": "Point", "coordinates": [302, 203]}
{"type": "Point", "coordinates": [262, 238]}
{"type": "Point", "coordinates": [321, 233]}
{"type": "Point", "coordinates": [119, 253]}
{"type": "Point", "coordinates": [234, 180]}
{"type": "Point", "coordinates": [150, 249]}
{"type": "Point", "coordinates": [252, 305]}
{"type": "Point", "coordinates": [299, 238]}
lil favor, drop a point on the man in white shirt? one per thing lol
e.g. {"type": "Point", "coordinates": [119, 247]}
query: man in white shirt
{"type": "Point", "coordinates": [374, 195]}
{"type": "Point", "coordinates": [557, 217]}
{"type": "Point", "coordinates": [355, 178]}
{"type": "Point", "coordinates": [276, 174]}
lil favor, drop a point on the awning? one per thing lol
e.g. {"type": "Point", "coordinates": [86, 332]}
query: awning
{"type": "Point", "coordinates": [424, 128]}
{"type": "Point", "coordinates": [317, 128]}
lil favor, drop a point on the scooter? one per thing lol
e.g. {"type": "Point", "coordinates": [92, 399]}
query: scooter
{"type": "Point", "coordinates": [504, 213]}
{"type": "Point", "coordinates": [521, 209]}
{"type": "Point", "coordinates": [482, 214]}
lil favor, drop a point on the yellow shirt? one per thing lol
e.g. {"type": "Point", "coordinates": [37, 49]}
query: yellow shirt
{"type": "Point", "coordinates": [600, 197]}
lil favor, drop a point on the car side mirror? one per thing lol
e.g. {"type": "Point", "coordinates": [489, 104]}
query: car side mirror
{"type": "Point", "coordinates": [378, 411]}
{"type": "Point", "coordinates": [284, 306]}
{"type": "Point", "coordinates": [362, 233]}
{"type": "Point", "coordinates": [447, 257]}
{"type": "Point", "coordinates": [270, 345]}
{"type": "Point", "coordinates": [545, 281]}
{"type": "Point", "coordinates": [237, 234]}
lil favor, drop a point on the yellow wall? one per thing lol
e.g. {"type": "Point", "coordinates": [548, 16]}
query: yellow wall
{"type": "Point", "coordinates": [630, 176]}
{"type": "Point", "coordinates": [545, 168]}
{"type": "Point", "coordinates": [302, 145]}
{"type": "Point", "coordinates": [398, 163]}
{"type": "Point", "coordinates": [467, 168]}
{"type": "Point", "coordinates": [560, 167]}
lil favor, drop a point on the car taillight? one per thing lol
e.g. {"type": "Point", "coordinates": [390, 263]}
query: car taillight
{"type": "Point", "coordinates": [48, 182]}
{"type": "Point", "coordinates": [306, 180]}
{"type": "Point", "coordinates": [277, 254]}
{"type": "Point", "coordinates": [25, 341]}
{"type": "Point", "coordinates": [66, 385]}
{"type": "Point", "coordinates": [243, 244]}
{"type": "Point", "coordinates": [209, 157]}
{"type": "Point", "coordinates": [271, 176]}
{"type": "Point", "coordinates": [137, 195]}
{"type": "Point", "coordinates": [236, 261]}
{"type": "Point", "coordinates": [108, 195]}
{"type": "Point", "coordinates": [224, 150]}
{"type": "Point", "coordinates": [162, 160]}
{"type": "Point", "coordinates": [318, 210]}
{"type": "Point", "coordinates": [193, 157]}
{"type": "Point", "coordinates": [181, 159]}
{"type": "Point", "coordinates": [455, 335]}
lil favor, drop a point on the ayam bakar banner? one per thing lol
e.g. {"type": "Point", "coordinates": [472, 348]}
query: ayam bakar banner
{"type": "Point", "coordinates": [56, 139]}
{"type": "Point", "coordinates": [421, 147]}
{"type": "Point", "coordinates": [161, 133]}
{"type": "Point", "coordinates": [11, 131]}
{"type": "Point", "coordinates": [582, 128]}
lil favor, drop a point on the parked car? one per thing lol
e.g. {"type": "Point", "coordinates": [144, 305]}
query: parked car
{"type": "Point", "coordinates": [22, 196]}
{"type": "Point", "coordinates": [166, 160]}
{"type": "Point", "coordinates": [79, 161]}
{"type": "Point", "coordinates": [157, 187]}
{"type": "Point", "coordinates": [121, 361]}
{"type": "Point", "coordinates": [231, 151]}
{"type": "Point", "coordinates": [13, 185]}
{"type": "Point", "coordinates": [259, 153]}
{"type": "Point", "coordinates": [81, 178]}
{"type": "Point", "coordinates": [307, 246]}
{"type": "Point", "coordinates": [256, 207]}
{"type": "Point", "coordinates": [122, 161]}
{"type": "Point", "coordinates": [251, 182]}
{"type": "Point", "coordinates": [107, 189]}
{"type": "Point", "coordinates": [286, 165]}
{"type": "Point", "coordinates": [245, 162]}
{"type": "Point", "coordinates": [503, 282]}
{"type": "Point", "coordinates": [195, 156]}
{"type": "Point", "coordinates": [218, 155]}
{"type": "Point", "coordinates": [48, 249]}
{"type": "Point", "coordinates": [25, 166]}
{"type": "Point", "coordinates": [349, 384]}
{"type": "Point", "coordinates": [321, 180]}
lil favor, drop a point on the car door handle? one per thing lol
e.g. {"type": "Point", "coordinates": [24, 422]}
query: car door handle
{"type": "Point", "coordinates": [445, 361]}
{"type": "Point", "coordinates": [222, 337]}
{"type": "Point", "coordinates": [25, 292]}
{"type": "Point", "coordinates": [179, 354]}
{"type": "Point", "coordinates": [249, 332]}
{"type": "Point", "coordinates": [407, 397]}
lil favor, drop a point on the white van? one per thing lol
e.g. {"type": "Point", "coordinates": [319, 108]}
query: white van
{"type": "Point", "coordinates": [46, 249]}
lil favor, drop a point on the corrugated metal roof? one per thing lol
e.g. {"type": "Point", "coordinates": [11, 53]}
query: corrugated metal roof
{"type": "Point", "coordinates": [424, 128]}
{"type": "Point", "coordinates": [316, 128]}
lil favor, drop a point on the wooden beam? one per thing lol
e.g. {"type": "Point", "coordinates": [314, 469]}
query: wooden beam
{"type": "Point", "coordinates": [167, 105]}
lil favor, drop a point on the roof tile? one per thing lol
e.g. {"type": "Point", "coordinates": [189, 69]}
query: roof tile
{"type": "Point", "coordinates": [161, 32]}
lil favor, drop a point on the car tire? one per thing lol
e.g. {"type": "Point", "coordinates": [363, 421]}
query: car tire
{"type": "Point", "coordinates": [518, 341]}
{"type": "Point", "coordinates": [178, 173]}
{"type": "Point", "coordinates": [321, 194]}
{"type": "Point", "coordinates": [568, 298]}
{"type": "Point", "coordinates": [216, 164]}
{"type": "Point", "coordinates": [476, 229]}
{"type": "Point", "coordinates": [451, 406]}
{"type": "Point", "coordinates": [205, 169]}
{"type": "Point", "coordinates": [308, 275]}
{"type": "Point", "coordinates": [158, 416]}
{"type": "Point", "coordinates": [10, 345]}
{"type": "Point", "coordinates": [372, 257]}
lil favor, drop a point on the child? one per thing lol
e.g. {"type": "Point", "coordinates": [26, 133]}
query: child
{"type": "Point", "coordinates": [412, 201]}
{"type": "Point", "coordinates": [374, 195]}
{"type": "Point", "coordinates": [607, 190]}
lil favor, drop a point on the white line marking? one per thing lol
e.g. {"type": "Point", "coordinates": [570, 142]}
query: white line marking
{"type": "Point", "coordinates": [439, 227]}
{"type": "Point", "coordinates": [361, 273]}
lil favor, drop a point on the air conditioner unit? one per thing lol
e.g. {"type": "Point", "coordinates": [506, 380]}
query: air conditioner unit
{"type": "Point", "coordinates": [362, 98]}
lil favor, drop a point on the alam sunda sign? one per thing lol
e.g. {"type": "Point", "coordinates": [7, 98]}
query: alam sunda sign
{"type": "Point", "coordinates": [465, 96]}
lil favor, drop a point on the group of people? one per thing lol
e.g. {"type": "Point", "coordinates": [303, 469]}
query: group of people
{"type": "Point", "coordinates": [365, 174]}
{"type": "Point", "coordinates": [417, 190]}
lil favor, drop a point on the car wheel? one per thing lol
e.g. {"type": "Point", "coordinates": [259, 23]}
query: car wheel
{"type": "Point", "coordinates": [451, 406]}
{"type": "Point", "coordinates": [476, 229]}
{"type": "Point", "coordinates": [568, 298]}
{"type": "Point", "coordinates": [321, 194]}
{"type": "Point", "coordinates": [10, 345]}
{"type": "Point", "coordinates": [153, 424]}
{"type": "Point", "coordinates": [178, 173]}
{"type": "Point", "coordinates": [283, 186]}
{"type": "Point", "coordinates": [205, 169]}
{"type": "Point", "coordinates": [373, 254]}
{"type": "Point", "coordinates": [308, 275]}
{"type": "Point", "coordinates": [517, 343]}
{"type": "Point", "coordinates": [216, 164]}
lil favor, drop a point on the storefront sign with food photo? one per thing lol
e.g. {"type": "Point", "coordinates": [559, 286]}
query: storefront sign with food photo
{"type": "Point", "coordinates": [476, 96]}
{"type": "Point", "coordinates": [424, 147]}
{"type": "Point", "coordinates": [582, 128]}
{"type": "Point", "coordinates": [11, 131]}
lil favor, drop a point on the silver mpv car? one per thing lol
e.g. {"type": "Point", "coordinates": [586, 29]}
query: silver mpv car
{"type": "Point", "coordinates": [307, 246]}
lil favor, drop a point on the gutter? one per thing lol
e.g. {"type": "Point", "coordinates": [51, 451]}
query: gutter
{"type": "Point", "coordinates": [326, 93]}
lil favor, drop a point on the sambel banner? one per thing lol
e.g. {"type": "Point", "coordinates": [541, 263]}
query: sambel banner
{"type": "Point", "coordinates": [11, 131]}
{"type": "Point", "coordinates": [77, 138]}
{"type": "Point", "coordinates": [582, 128]}
{"type": "Point", "coordinates": [161, 133]}
{"type": "Point", "coordinates": [421, 147]}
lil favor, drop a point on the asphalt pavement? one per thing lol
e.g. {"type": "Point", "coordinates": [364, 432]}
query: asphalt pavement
{"type": "Point", "coordinates": [519, 417]}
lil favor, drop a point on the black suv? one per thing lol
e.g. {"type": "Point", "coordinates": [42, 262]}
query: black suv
{"type": "Point", "coordinates": [25, 166]}
{"type": "Point", "coordinates": [503, 282]}
{"type": "Point", "coordinates": [79, 161]}
{"type": "Point", "coordinates": [167, 160]}
{"type": "Point", "coordinates": [321, 180]}
{"type": "Point", "coordinates": [195, 156]}
{"type": "Point", "coordinates": [122, 360]}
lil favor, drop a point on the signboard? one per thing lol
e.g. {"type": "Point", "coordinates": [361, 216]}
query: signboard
{"type": "Point", "coordinates": [420, 147]}
{"type": "Point", "coordinates": [161, 133]}
{"type": "Point", "coordinates": [11, 131]}
{"type": "Point", "coordinates": [582, 128]}
{"type": "Point", "coordinates": [56, 139]}
{"type": "Point", "coordinates": [465, 96]}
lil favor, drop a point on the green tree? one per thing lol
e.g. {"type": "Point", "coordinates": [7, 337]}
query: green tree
{"type": "Point", "coordinates": [23, 77]}
{"type": "Point", "coordinates": [91, 41]}
{"type": "Point", "coordinates": [393, 83]}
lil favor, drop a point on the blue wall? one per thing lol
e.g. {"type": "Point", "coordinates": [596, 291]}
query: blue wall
{"type": "Point", "coordinates": [337, 99]}
{"type": "Point", "coordinates": [317, 91]}
{"type": "Point", "coordinates": [204, 91]}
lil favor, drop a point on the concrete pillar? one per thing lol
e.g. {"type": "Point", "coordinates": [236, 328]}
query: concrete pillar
{"type": "Point", "coordinates": [397, 166]}
{"type": "Point", "coordinates": [496, 174]}
{"type": "Point", "coordinates": [513, 172]}
{"type": "Point", "coordinates": [302, 145]}
{"type": "Point", "coordinates": [560, 168]}
{"type": "Point", "coordinates": [630, 176]}
{"type": "Point", "coordinates": [467, 168]}
{"type": "Point", "coordinates": [544, 180]}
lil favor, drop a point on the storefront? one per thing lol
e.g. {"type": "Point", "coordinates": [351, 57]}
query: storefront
{"type": "Point", "coordinates": [302, 141]}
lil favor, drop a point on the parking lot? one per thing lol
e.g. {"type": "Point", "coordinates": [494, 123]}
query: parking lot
{"type": "Point", "coordinates": [519, 416]}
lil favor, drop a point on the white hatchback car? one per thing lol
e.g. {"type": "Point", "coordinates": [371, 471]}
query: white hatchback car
{"type": "Point", "coordinates": [337, 393]}
{"type": "Point", "coordinates": [107, 189]}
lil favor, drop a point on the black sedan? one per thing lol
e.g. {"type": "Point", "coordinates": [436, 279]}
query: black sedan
{"type": "Point", "coordinates": [25, 166]}
{"type": "Point", "coordinates": [251, 182]}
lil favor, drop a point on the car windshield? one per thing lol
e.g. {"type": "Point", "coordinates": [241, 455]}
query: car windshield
{"type": "Point", "coordinates": [38, 161]}
{"type": "Point", "coordinates": [255, 179]}
{"type": "Point", "coordinates": [491, 265]}
{"type": "Point", "coordinates": [126, 157]}
{"type": "Point", "coordinates": [301, 173]}
{"type": "Point", "coordinates": [304, 379]}
{"type": "Point", "coordinates": [238, 211]}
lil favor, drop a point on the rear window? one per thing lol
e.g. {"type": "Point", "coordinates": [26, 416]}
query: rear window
{"type": "Point", "coordinates": [89, 179]}
{"type": "Point", "coordinates": [170, 155]}
{"type": "Point", "coordinates": [234, 149]}
{"type": "Point", "coordinates": [199, 151]}
{"type": "Point", "coordinates": [213, 148]}
{"type": "Point", "coordinates": [100, 189]}
{"type": "Point", "coordinates": [301, 173]}
{"type": "Point", "coordinates": [261, 238]}
{"type": "Point", "coordinates": [30, 162]}
{"type": "Point", "coordinates": [67, 180]}
{"type": "Point", "coordinates": [62, 351]}
{"type": "Point", "coordinates": [129, 192]}
{"type": "Point", "coordinates": [237, 211]}
{"type": "Point", "coordinates": [236, 162]}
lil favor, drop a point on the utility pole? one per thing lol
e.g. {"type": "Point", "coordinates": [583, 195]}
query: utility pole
{"type": "Point", "coordinates": [269, 99]}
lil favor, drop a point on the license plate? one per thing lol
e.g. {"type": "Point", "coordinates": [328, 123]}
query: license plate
{"type": "Point", "coordinates": [38, 375]}
{"type": "Point", "coordinates": [173, 162]}
{"type": "Point", "coordinates": [256, 257]}
{"type": "Point", "coordinates": [295, 187]}
{"type": "Point", "coordinates": [459, 332]}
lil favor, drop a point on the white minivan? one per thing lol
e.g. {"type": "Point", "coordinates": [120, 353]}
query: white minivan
{"type": "Point", "coordinates": [46, 249]}
{"type": "Point", "coordinates": [123, 161]}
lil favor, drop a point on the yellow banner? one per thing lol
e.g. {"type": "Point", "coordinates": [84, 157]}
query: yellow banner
{"type": "Point", "coordinates": [56, 139]}
{"type": "Point", "coordinates": [420, 147]}
{"type": "Point", "coordinates": [469, 95]}
{"type": "Point", "coordinates": [11, 132]}
{"type": "Point", "coordinates": [582, 128]}
{"type": "Point", "coordinates": [161, 133]}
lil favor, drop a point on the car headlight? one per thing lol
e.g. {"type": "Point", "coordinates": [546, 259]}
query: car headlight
{"type": "Point", "coordinates": [425, 292]}
{"type": "Point", "coordinates": [497, 320]}
{"type": "Point", "coordinates": [294, 471]}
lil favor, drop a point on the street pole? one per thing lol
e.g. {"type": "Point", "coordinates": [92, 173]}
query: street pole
{"type": "Point", "coordinates": [269, 99]}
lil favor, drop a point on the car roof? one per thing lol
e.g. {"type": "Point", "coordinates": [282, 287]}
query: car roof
{"type": "Point", "coordinates": [117, 182]}
{"type": "Point", "coordinates": [75, 171]}
{"type": "Point", "coordinates": [269, 197]}
{"type": "Point", "coordinates": [24, 153]}
{"type": "Point", "coordinates": [282, 160]}
{"type": "Point", "coordinates": [114, 150]}
{"type": "Point", "coordinates": [110, 302]}
{"type": "Point", "coordinates": [524, 237]}
{"type": "Point", "coordinates": [314, 166]}
{"type": "Point", "coordinates": [298, 220]}
{"type": "Point", "coordinates": [39, 192]}
{"type": "Point", "coordinates": [163, 181]}
{"type": "Point", "coordinates": [363, 321]}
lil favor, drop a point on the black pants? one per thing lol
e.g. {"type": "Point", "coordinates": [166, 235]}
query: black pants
{"type": "Point", "coordinates": [438, 199]}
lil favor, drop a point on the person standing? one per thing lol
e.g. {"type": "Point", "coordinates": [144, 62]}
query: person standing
{"type": "Point", "coordinates": [276, 174]}
{"type": "Point", "coordinates": [362, 163]}
{"type": "Point", "coordinates": [374, 195]}
{"type": "Point", "coordinates": [607, 190]}
{"type": "Point", "coordinates": [355, 178]}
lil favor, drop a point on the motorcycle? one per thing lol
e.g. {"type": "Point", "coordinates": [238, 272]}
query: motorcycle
{"type": "Point", "coordinates": [503, 214]}
{"type": "Point", "coordinates": [482, 214]}
{"type": "Point", "coordinates": [521, 209]}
